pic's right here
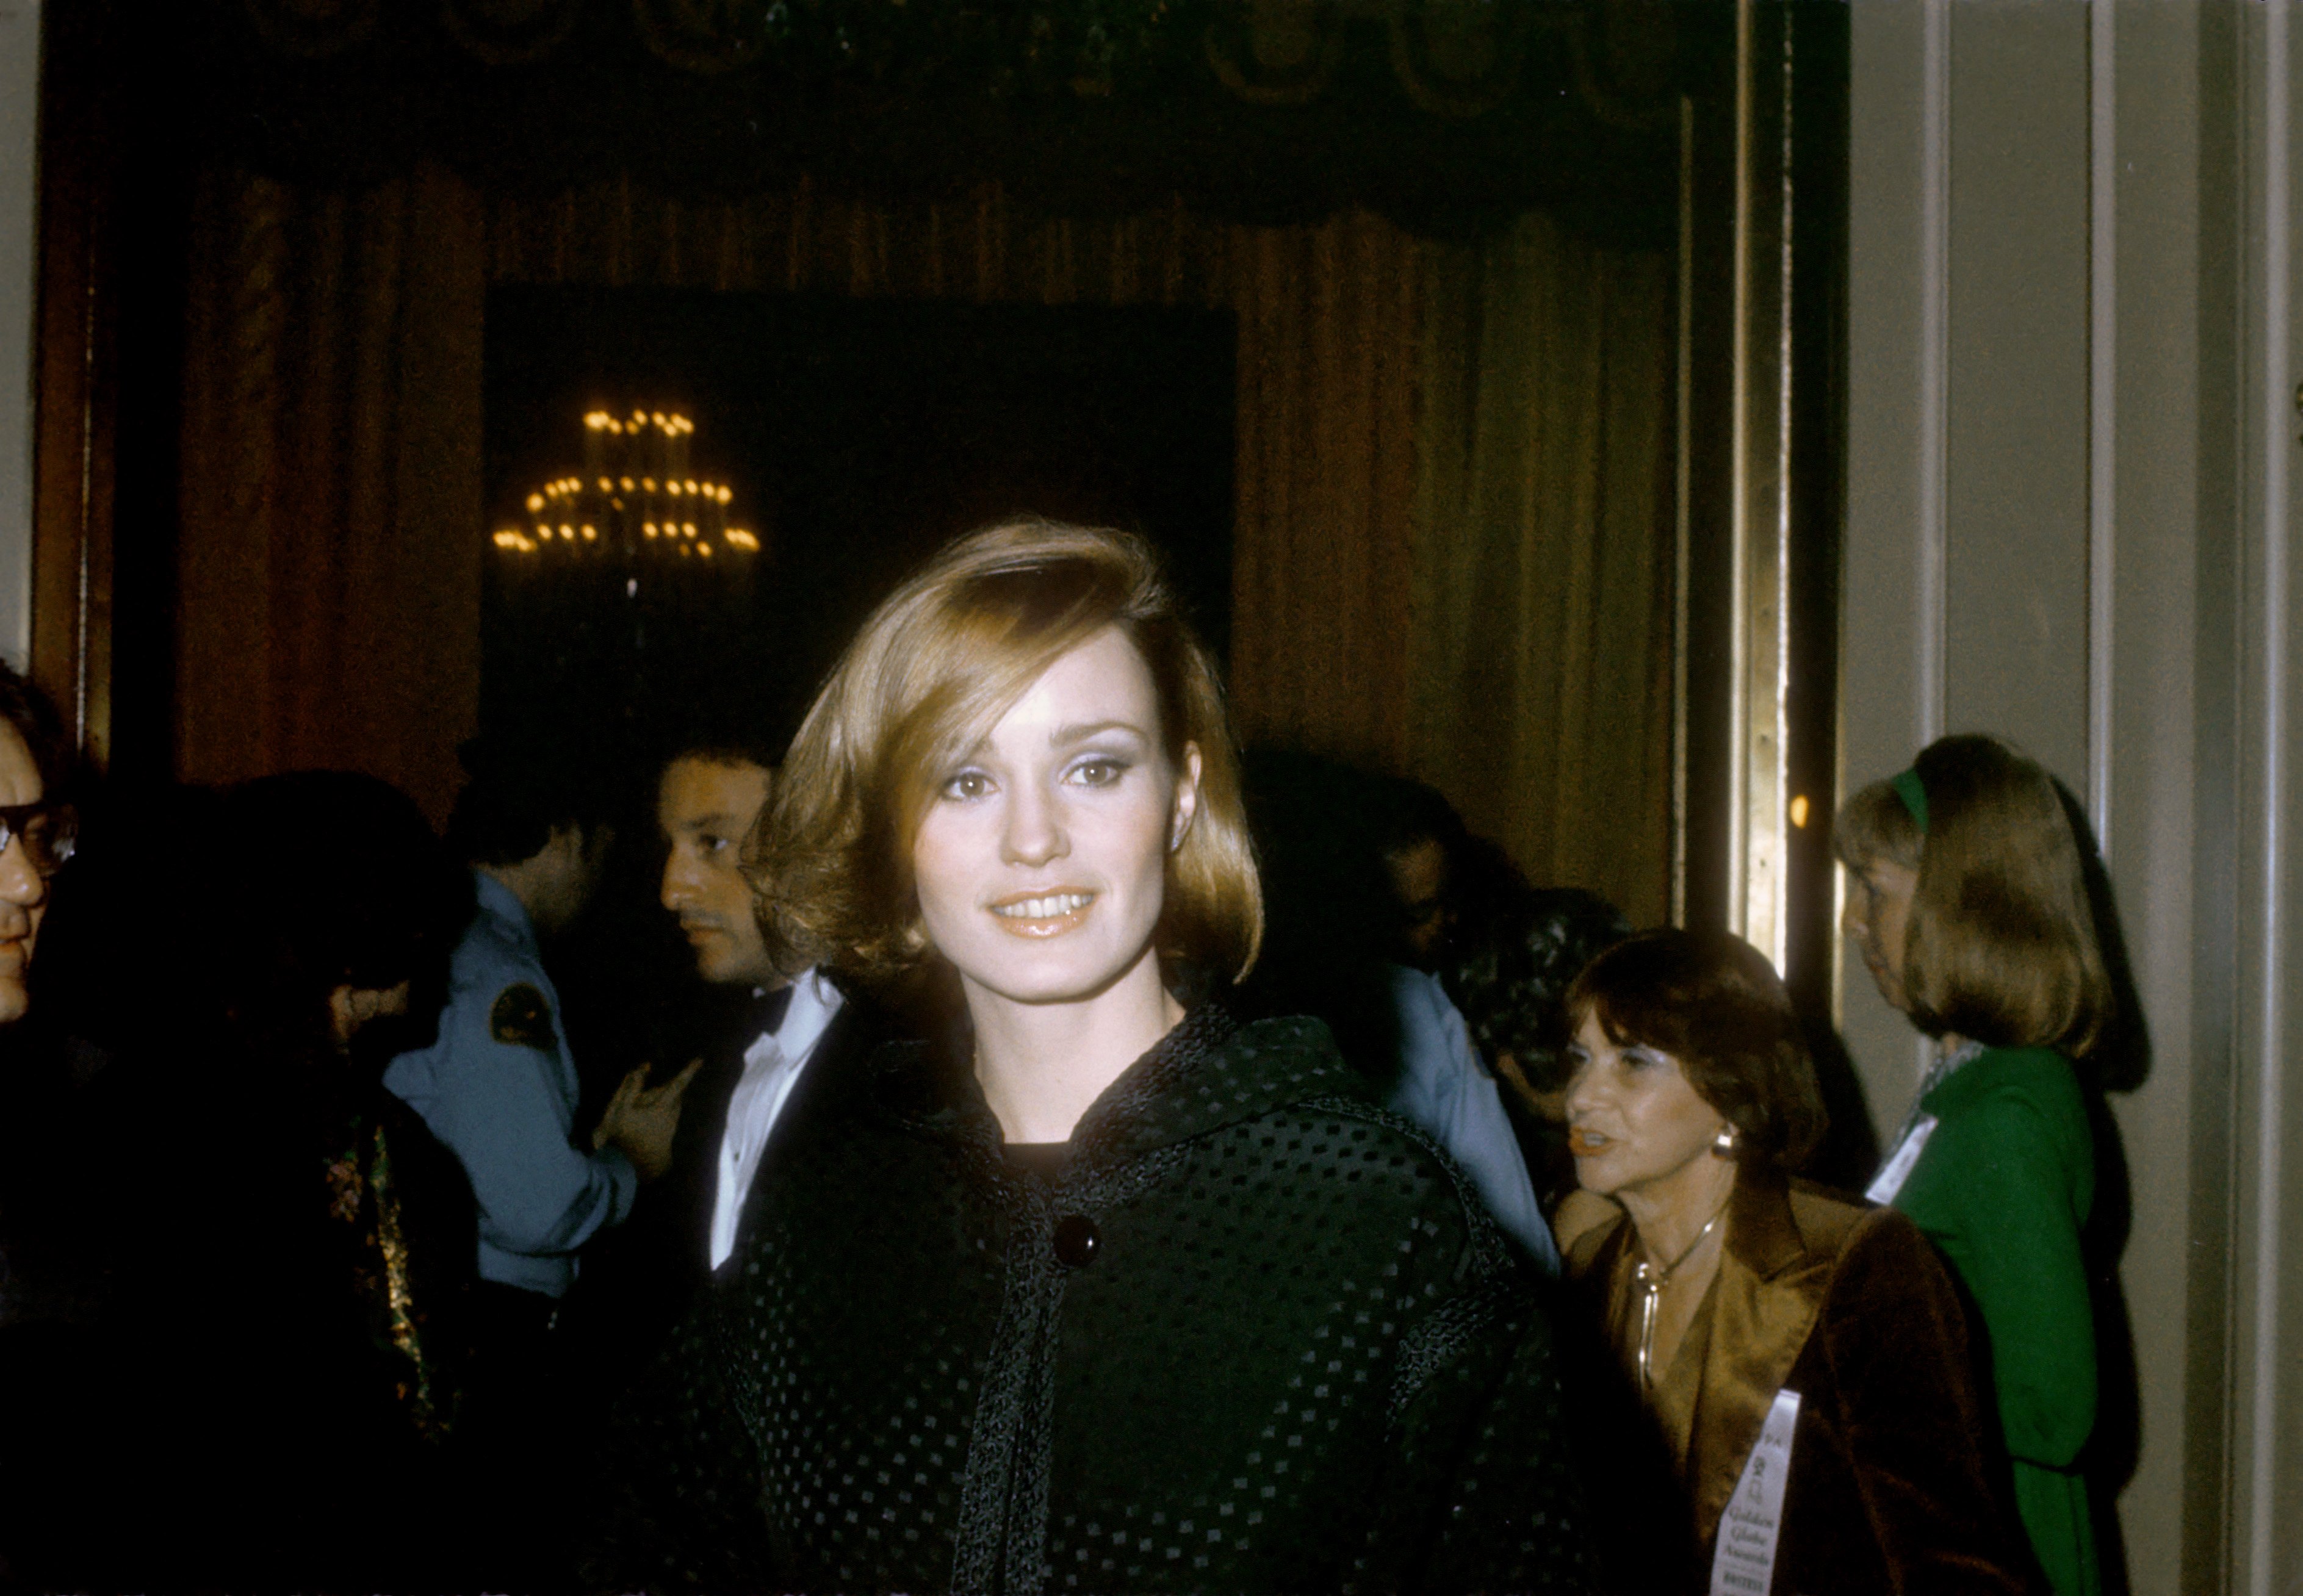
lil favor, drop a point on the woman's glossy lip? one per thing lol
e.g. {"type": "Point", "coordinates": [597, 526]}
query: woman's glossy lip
{"type": "Point", "coordinates": [1588, 1144]}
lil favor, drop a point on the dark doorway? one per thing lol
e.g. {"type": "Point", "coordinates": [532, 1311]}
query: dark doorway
{"type": "Point", "coordinates": [853, 437]}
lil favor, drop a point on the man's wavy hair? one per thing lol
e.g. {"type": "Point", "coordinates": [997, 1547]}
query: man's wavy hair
{"type": "Point", "coordinates": [938, 663]}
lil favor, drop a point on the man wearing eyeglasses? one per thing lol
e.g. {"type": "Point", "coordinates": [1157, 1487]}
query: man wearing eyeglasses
{"type": "Point", "coordinates": [42, 1265]}
{"type": "Point", "coordinates": [37, 831]}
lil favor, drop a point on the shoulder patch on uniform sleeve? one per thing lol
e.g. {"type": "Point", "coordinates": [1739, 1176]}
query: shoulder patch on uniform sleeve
{"type": "Point", "coordinates": [521, 1017]}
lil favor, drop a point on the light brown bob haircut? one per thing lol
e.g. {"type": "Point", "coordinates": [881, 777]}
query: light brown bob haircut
{"type": "Point", "coordinates": [1874, 826]}
{"type": "Point", "coordinates": [2001, 944]}
{"type": "Point", "coordinates": [1713, 1002]}
{"type": "Point", "coordinates": [940, 660]}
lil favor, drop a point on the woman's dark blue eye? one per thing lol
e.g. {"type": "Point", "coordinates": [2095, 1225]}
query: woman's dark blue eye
{"type": "Point", "coordinates": [1099, 772]}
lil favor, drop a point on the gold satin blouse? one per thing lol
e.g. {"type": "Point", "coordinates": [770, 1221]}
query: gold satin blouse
{"type": "Point", "coordinates": [1746, 1333]}
{"type": "Point", "coordinates": [1673, 1399]}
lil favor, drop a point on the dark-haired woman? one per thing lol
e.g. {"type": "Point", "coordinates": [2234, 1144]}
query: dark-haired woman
{"type": "Point", "coordinates": [295, 1249]}
{"type": "Point", "coordinates": [1105, 1291]}
{"type": "Point", "coordinates": [1967, 903]}
{"type": "Point", "coordinates": [1803, 1360]}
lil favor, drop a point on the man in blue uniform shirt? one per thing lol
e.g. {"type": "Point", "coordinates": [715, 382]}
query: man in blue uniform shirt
{"type": "Point", "coordinates": [497, 1087]}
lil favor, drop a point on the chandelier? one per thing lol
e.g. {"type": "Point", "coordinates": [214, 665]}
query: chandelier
{"type": "Point", "coordinates": [634, 504]}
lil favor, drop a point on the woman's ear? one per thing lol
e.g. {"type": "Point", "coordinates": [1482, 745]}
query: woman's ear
{"type": "Point", "coordinates": [1187, 798]}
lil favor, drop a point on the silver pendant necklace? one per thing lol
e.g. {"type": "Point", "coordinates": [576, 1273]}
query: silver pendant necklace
{"type": "Point", "coordinates": [1651, 1281]}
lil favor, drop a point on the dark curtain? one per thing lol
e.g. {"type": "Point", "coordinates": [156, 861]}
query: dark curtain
{"type": "Point", "coordinates": [328, 574]}
{"type": "Point", "coordinates": [1426, 434]}
{"type": "Point", "coordinates": [1543, 599]}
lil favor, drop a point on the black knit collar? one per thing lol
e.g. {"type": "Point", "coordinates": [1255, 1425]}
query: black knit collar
{"type": "Point", "coordinates": [1210, 1070]}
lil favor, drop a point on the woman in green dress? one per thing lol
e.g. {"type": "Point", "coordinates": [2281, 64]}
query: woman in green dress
{"type": "Point", "coordinates": [1967, 899]}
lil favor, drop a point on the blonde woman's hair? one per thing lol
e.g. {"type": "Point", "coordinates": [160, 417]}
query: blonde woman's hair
{"type": "Point", "coordinates": [940, 660]}
{"type": "Point", "coordinates": [2001, 944]}
{"type": "Point", "coordinates": [1875, 826]}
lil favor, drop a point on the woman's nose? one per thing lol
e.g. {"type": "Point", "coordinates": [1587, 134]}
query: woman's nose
{"type": "Point", "coordinates": [1851, 924]}
{"type": "Point", "coordinates": [1034, 832]}
{"type": "Point", "coordinates": [1581, 1095]}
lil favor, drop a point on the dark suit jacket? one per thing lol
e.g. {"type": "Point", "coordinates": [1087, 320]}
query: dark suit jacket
{"type": "Point", "coordinates": [640, 1278]}
{"type": "Point", "coordinates": [679, 1207]}
{"type": "Point", "coordinates": [1895, 1484]}
{"type": "Point", "coordinates": [692, 1182]}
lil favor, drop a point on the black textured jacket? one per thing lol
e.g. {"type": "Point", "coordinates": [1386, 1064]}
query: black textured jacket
{"type": "Point", "coordinates": [1258, 1336]}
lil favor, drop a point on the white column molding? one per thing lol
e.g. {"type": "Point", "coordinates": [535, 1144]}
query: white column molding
{"type": "Point", "coordinates": [20, 85]}
{"type": "Point", "coordinates": [2102, 390]}
{"type": "Point", "coordinates": [2269, 318]}
{"type": "Point", "coordinates": [1931, 601]}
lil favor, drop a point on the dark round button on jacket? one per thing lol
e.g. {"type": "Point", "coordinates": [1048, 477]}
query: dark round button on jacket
{"type": "Point", "coordinates": [1077, 1240]}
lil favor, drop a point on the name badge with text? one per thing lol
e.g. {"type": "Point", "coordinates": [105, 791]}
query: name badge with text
{"type": "Point", "coordinates": [1744, 1558]}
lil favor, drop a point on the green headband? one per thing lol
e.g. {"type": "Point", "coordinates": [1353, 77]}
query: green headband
{"type": "Point", "coordinates": [1914, 795]}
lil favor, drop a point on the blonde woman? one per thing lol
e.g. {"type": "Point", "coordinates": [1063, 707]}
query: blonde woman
{"type": "Point", "coordinates": [1967, 900]}
{"type": "Point", "coordinates": [1103, 1291]}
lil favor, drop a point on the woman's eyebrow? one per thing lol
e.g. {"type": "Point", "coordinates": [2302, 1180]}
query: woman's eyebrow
{"type": "Point", "coordinates": [1080, 732]}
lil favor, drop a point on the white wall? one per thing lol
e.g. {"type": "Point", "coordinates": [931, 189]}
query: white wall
{"type": "Point", "coordinates": [19, 73]}
{"type": "Point", "coordinates": [2066, 505]}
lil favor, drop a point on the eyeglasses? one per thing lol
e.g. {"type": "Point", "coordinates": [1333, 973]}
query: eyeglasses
{"type": "Point", "coordinates": [46, 830]}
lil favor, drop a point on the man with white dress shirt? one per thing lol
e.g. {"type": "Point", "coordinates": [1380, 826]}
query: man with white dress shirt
{"type": "Point", "coordinates": [756, 1086]}
{"type": "Point", "coordinates": [778, 1050]}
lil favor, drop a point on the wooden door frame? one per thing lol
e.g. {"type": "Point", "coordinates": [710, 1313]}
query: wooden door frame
{"type": "Point", "coordinates": [1761, 474]}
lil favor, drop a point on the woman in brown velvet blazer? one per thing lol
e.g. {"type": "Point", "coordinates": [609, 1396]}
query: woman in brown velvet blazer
{"type": "Point", "coordinates": [1802, 1359]}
